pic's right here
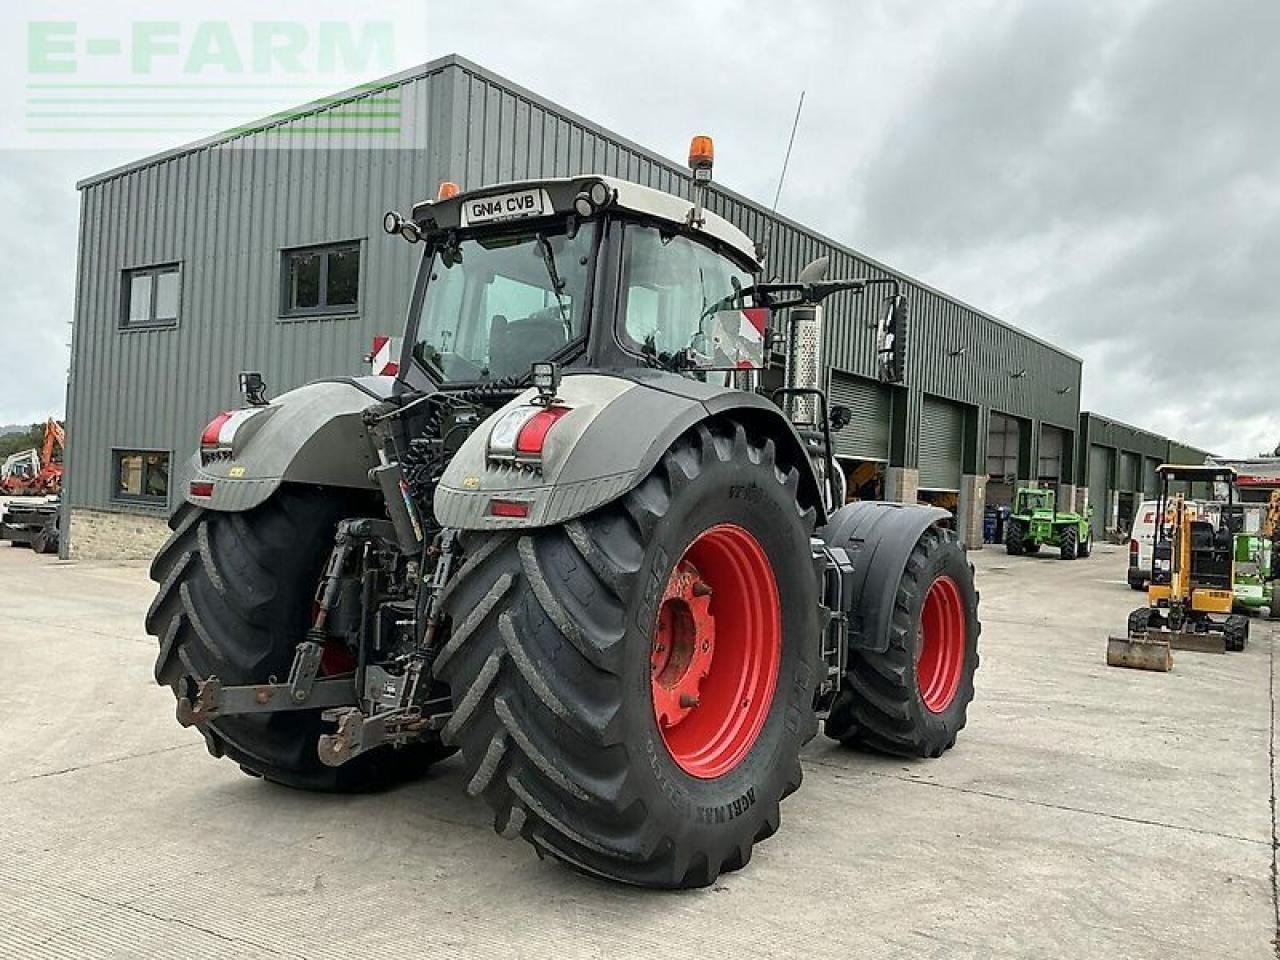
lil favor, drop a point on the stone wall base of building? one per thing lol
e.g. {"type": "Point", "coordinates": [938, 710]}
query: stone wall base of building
{"type": "Point", "coordinates": [901, 484]}
{"type": "Point", "coordinates": [100, 535]}
{"type": "Point", "coordinates": [973, 502]}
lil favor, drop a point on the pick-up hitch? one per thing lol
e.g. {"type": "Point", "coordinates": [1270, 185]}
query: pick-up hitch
{"type": "Point", "coordinates": [302, 692]}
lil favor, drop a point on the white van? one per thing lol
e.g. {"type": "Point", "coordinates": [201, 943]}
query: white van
{"type": "Point", "coordinates": [1140, 539]}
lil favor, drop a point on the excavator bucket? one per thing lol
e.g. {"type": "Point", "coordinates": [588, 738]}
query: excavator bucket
{"type": "Point", "coordinates": [1148, 652]}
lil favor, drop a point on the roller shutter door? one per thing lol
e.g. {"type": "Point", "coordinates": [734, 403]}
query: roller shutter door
{"type": "Point", "coordinates": [1100, 486]}
{"type": "Point", "coordinates": [1050, 467]}
{"type": "Point", "coordinates": [1129, 468]}
{"type": "Point", "coordinates": [867, 435]}
{"type": "Point", "coordinates": [941, 444]}
{"type": "Point", "coordinates": [1003, 440]}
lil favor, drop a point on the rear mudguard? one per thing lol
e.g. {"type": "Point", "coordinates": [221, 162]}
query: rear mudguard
{"type": "Point", "coordinates": [617, 428]}
{"type": "Point", "coordinates": [310, 435]}
{"type": "Point", "coordinates": [879, 538]}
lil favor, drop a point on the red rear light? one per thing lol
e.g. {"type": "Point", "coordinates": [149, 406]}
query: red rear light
{"type": "Point", "coordinates": [534, 433]}
{"type": "Point", "coordinates": [210, 436]}
{"type": "Point", "coordinates": [1133, 548]}
{"type": "Point", "coordinates": [508, 508]}
{"type": "Point", "coordinates": [201, 489]}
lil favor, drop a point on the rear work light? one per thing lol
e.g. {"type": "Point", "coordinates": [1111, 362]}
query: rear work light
{"type": "Point", "coordinates": [520, 434]}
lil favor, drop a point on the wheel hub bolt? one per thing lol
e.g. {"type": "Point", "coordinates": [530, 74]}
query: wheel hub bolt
{"type": "Point", "coordinates": [688, 701]}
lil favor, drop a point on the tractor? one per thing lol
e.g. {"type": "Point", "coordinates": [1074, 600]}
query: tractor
{"type": "Point", "coordinates": [1035, 521]}
{"type": "Point", "coordinates": [590, 534]}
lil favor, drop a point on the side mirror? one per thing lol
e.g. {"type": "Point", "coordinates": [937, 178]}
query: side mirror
{"type": "Point", "coordinates": [815, 271]}
{"type": "Point", "coordinates": [893, 340]}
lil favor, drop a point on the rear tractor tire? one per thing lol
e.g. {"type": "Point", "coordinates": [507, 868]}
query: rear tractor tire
{"type": "Point", "coordinates": [235, 599]}
{"type": "Point", "coordinates": [912, 699]}
{"type": "Point", "coordinates": [632, 689]}
{"type": "Point", "coordinates": [1068, 544]}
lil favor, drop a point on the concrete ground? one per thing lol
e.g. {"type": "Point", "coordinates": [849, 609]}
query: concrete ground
{"type": "Point", "coordinates": [1087, 812]}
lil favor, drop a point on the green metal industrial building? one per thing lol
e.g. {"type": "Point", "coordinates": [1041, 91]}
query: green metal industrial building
{"type": "Point", "coordinates": [262, 249]}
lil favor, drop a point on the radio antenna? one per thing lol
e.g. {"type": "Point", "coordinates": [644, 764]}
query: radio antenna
{"type": "Point", "coordinates": [777, 195]}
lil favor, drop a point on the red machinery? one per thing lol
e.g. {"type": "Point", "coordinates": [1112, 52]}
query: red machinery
{"type": "Point", "coordinates": [36, 472]}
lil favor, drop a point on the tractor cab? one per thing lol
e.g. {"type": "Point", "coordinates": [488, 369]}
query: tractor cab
{"type": "Point", "coordinates": [1035, 502]}
{"type": "Point", "coordinates": [584, 272]}
{"type": "Point", "coordinates": [1194, 551]}
{"type": "Point", "coordinates": [599, 273]}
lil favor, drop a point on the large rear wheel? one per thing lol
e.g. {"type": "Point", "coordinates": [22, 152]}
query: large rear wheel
{"type": "Point", "coordinates": [912, 699]}
{"type": "Point", "coordinates": [1015, 534]}
{"type": "Point", "coordinates": [632, 689]}
{"type": "Point", "coordinates": [235, 599]}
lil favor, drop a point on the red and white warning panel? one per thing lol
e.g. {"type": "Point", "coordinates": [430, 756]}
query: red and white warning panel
{"type": "Point", "coordinates": [385, 358]}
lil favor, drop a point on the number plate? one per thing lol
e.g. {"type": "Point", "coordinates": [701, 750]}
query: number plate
{"type": "Point", "coordinates": [505, 206]}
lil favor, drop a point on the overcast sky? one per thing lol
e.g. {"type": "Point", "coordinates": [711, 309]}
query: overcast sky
{"type": "Point", "coordinates": [1104, 175]}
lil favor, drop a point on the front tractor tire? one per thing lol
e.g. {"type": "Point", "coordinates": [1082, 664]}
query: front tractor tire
{"type": "Point", "coordinates": [912, 699]}
{"type": "Point", "coordinates": [632, 689]}
{"type": "Point", "coordinates": [235, 599]}
{"type": "Point", "coordinates": [1068, 543]}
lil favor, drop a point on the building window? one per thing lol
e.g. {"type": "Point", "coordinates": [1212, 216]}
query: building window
{"type": "Point", "coordinates": [141, 476]}
{"type": "Point", "coordinates": [319, 281]}
{"type": "Point", "coordinates": [151, 297]}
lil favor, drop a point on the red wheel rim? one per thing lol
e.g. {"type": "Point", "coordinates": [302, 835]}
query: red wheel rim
{"type": "Point", "coordinates": [716, 646]}
{"type": "Point", "coordinates": [942, 642]}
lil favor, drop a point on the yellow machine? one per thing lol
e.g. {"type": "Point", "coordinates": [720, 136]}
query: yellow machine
{"type": "Point", "coordinates": [1192, 570]}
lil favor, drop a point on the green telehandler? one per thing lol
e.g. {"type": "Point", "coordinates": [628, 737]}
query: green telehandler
{"type": "Point", "coordinates": [1035, 521]}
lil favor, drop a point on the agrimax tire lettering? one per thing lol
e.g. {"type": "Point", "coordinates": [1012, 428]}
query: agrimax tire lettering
{"type": "Point", "coordinates": [646, 611]}
{"type": "Point", "coordinates": [749, 492]}
{"type": "Point", "coordinates": [796, 706]}
{"type": "Point", "coordinates": [728, 811]}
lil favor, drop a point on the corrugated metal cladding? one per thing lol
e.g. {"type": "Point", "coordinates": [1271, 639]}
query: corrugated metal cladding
{"type": "Point", "coordinates": [225, 208]}
{"type": "Point", "coordinates": [941, 444]}
{"type": "Point", "coordinates": [867, 435]}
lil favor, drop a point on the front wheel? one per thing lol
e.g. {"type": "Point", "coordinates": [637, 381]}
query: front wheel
{"type": "Point", "coordinates": [1068, 544]}
{"type": "Point", "coordinates": [912, 699]}
{"type": "Point", "coordinates": [632, 689]}
{"type": "Point", "coordinates": [1085, 544]}
{"type": "Point", "coordinates": [1236, 632]}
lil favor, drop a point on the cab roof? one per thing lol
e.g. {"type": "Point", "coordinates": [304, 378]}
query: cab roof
{"type": "Point", "coordinates": [1196, 471]}
{"type": "Point", "coordinates": [627, 196]}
